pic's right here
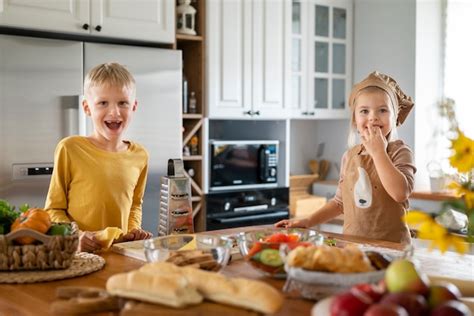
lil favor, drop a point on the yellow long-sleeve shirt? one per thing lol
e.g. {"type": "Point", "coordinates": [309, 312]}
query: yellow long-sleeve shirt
{"type": "Point", "coordinates": [97, 188]}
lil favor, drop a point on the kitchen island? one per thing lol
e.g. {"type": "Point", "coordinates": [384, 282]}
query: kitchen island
{"type": "Point", "coordinates": [36, 298]}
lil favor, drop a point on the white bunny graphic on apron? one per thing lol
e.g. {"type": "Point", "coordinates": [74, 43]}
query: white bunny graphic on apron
{"type": "Point", "coordinates": [363, 190]}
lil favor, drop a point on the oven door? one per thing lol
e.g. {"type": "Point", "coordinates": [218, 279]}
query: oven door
{"type": "Point", "coordinates": [266, 218]}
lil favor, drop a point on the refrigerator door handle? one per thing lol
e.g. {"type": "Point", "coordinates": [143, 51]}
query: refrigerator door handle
{"type": "Point", "coordinates": [82, 118]}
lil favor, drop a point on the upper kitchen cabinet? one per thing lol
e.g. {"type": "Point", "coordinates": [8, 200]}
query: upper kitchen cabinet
{"type": "Point", "coordinates": [248, 72]}
{"type": "Point", "coordinates": [321, 58]}
{"type": "Point", "coordinates": [144, 20]}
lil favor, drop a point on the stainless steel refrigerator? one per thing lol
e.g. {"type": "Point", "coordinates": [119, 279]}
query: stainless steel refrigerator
{"type": "Point", "coordinates": [40, 94]}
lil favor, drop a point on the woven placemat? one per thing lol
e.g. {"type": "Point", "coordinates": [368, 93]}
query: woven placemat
{"type": "Point", "coordinates": [83, 263]}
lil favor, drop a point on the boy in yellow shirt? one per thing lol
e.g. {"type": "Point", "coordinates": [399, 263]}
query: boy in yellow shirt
{"type": "Point", "coordinates": [98, 181]}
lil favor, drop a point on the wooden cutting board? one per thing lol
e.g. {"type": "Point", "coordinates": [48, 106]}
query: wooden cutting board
{"type": "Point", "coordinates": [133, 308]}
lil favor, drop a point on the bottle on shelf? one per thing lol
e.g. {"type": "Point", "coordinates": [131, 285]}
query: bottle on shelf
{"type": "Point", "coordinates": [193, 144]}
{"type": "Point", "coordinates": [185, 94]}
{"type": "Point", "coordinates": [192, 108]}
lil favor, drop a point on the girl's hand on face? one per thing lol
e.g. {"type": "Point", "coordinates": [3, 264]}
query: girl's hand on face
{"type": "Point", "coordinates": [88, 242]}
{"type": "Point", "coordinates": [136, 234]}
{"type": "Point", "coordinates": [373, 140]}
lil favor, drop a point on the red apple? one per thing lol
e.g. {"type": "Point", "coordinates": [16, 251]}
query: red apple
{"type": "Point", "coordinates": [352, 303]}
{"type": "Point", "coordinates": [403, 276]}
{"type": "Point", "coordinates": [374, 291]}
{"type": "Point", "coordinates": [442, 292]}
{"type": "Point", "coordinates": [387, 309]}
{"type": "Point", "coordinates": [414, 304]}
{"type": "Point", "coordinates": [451, 308]}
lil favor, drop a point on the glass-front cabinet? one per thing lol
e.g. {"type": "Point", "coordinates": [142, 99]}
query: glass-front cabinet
{"type": "Point", "coordinates": [321, 67]}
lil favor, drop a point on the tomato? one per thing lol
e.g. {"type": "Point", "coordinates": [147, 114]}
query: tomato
{"type": "Point", "coordinates": [255, 249]}
{"type": "Point", "coordinates": [293, 238]}
{"type": "Point", "coordinates": [277, 237]}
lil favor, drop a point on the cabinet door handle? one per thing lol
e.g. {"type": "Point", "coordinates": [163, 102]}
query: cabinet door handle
{"type": "Point", "coordinates": [249, 112]}
{"type": "Point", "coordinates": [311, 113]}
{"type": "Point", "coordinates": [304, 113]}
{"type": "Point", "coordinates": [256, 113]}
{"type": "Point", "coordinates": [85, 26]}
{"type": "Point", "coordinates": [98, 28]}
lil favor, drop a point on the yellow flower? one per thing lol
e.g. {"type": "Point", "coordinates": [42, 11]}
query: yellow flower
{"type": "Point", "coordinates": [463, 156]}
{"type": "Point", "coordinates": [462, 192]}
{"type": "Point", "coordinates": [429, 229]}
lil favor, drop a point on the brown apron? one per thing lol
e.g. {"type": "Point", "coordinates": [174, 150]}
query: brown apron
{"type": "Point", "coordinates": [369, 211]}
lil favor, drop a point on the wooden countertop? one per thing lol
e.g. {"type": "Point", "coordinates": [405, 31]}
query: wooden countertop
{"type": "Point", "coordinates": [35, 299]}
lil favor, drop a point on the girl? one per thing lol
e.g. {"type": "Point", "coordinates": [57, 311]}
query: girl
{"type": "Point", "coordinates": [377, 175]}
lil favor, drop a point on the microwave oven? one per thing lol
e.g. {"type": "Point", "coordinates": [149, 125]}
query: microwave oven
{"type": "Point", "coordinates": [243, 164]}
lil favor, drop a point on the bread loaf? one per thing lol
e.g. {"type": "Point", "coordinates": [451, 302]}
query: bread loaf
{"type": "Point", "coordinates": [331, 259]}
{"type": "Point", "coordinates": [251, 294]}
{"type": "Point", "coordinates": [167, 289]}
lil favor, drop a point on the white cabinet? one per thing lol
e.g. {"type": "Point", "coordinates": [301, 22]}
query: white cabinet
{"type": "Point", "coordinates": [321, 63]}
{"type": "Point", "coordinates": [146, 20]}
{"type": "Point", "coordinates": [248, 72]}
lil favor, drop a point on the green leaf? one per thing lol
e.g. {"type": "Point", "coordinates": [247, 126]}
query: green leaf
{"type": "Point", "coordinates": [25, 207]}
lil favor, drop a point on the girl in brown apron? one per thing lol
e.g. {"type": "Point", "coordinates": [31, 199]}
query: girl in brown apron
{"type": "Point", "coordinates": [377, 175]}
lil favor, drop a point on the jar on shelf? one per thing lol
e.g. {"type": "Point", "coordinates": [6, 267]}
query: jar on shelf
{"type": "Point", "coordinates": [193, 144]}
{"type": "Point", "coordinates": [192, 108]}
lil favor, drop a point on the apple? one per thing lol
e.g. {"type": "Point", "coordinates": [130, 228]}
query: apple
{"type": "Point", "coordinates": [351, 303]}
{"type": "Point", "coordinates": [414, 304]}
{"type": "Point", "coordinates": [403, 276]}
{"type": "Point", "coordinates": [442, 292]}
{"type": "Point", "coordinates": [374, 291]}
{"type": "Point", "coordinates": [451, 308]}
{"type": "Point", "coordinates": [387, 309]}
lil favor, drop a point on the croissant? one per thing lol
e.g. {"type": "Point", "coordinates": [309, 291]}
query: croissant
{"type": "Point", "coordinates": [332, 259]}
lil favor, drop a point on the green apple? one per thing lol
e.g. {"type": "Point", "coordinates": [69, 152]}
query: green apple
{"type": "Point", "coordinates": [59, 229]}
{"type": "Point", "coordinates": [403, 276]}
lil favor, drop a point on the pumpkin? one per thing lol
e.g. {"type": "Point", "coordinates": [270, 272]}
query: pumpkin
{"type": "Point", "coordinates": [34, 218]}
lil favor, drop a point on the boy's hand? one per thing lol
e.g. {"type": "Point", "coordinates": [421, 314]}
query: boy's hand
{"type": "Point", "coordinates": [136, 234]}
{"type": "Point", "coordinates": [288, 223]}
{"type": "Point", "coordinates": [88, 242]}
{"type": "Point", "coordinates": [373, 141]}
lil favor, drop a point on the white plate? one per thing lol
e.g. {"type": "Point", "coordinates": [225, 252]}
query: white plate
{"type": "Point", "coordinates": [322, 308]}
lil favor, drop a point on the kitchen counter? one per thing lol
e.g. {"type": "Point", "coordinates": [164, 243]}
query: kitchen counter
{"type": "Point", "coordinates": [35, 299]}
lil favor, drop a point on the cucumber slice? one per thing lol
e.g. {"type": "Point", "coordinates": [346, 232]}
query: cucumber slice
{"type": "Point", "coordinates": [271, 257]}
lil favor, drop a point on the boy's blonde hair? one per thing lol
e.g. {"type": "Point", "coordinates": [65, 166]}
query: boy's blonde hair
{"type": "Point", "coordinates": [109, 74]}
{"type": "Point", "coordinates": [351, 139]}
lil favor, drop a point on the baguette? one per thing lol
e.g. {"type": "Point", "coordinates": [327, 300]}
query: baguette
{"type": "Point", "coordinates": [167, 289]}
{"type": "Point", "coordinates": [240, 292]}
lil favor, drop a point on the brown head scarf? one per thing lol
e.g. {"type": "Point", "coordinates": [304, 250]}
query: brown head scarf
{"type": "Point", "coordinates": [401, 102]}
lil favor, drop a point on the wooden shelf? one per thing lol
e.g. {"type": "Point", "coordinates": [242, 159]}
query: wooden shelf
{"type": "Point", "coordinates": [192, 158]}
{"type": "Point", "coordinates": [196, 198]}
{"type": "Point", "coordinates": [187, 116]}
{"type": "Point", "coordinates": [184, 37]}
{"type": "Point", "coordinates": [193, 48]}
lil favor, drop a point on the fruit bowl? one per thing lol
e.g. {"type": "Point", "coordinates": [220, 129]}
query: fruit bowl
{"type": "Point", "coordinates": [206, 252]}
{"type": "Point", "coordinates": [261, 248]}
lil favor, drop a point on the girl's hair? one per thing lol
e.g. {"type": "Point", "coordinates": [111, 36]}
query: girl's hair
{"type": "Point", "coordinates": [109, 74]}
{"type": "Point", "coordinates": [352, 137]}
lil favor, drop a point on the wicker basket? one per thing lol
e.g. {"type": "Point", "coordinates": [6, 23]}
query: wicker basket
{"type": "Point", "coordinates": [55, 252]}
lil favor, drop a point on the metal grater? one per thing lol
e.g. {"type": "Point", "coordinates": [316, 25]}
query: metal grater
{"type": "Point", "coordinates": [176, 213]}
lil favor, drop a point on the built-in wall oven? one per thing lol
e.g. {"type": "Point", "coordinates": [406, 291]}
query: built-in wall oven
{"type": "Point", "coordinates": [243, 188]}
{"type": "Point", "coordinates": [246, 208]}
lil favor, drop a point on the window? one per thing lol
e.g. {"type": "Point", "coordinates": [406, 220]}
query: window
{"type": "Point", "coordinates": [459, 61]}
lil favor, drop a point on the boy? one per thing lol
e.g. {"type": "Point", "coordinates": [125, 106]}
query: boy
{"type": "Point", "coordinates": [98, 181]}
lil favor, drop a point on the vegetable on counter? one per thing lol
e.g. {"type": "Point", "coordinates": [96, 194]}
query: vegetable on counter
{"type": "Point", "coordinates": [8, 215]}
{"type": "Point", "coordinates": [36, 219]}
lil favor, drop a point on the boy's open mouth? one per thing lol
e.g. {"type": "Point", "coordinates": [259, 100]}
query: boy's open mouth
{"type": "Point", "coordinates": [114, 125]}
